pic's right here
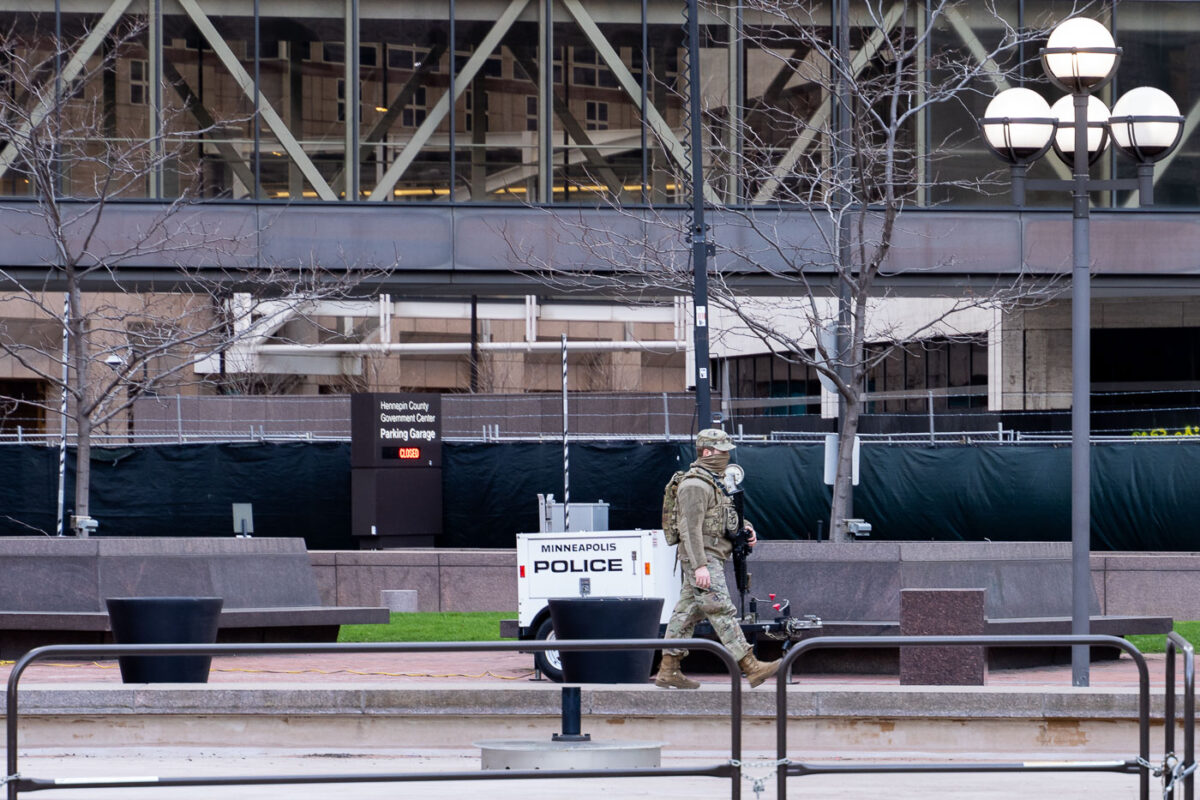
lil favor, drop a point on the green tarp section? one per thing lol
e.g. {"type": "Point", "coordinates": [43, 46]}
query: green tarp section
{"type": "Point", "coordinates": [489, 491]}
{"type": "Point", "coordinates": [972, 493]}
{"type": "Point", "coordinates": [298, 489]}
{"type": "Point", "coordinates": [1142, 493]}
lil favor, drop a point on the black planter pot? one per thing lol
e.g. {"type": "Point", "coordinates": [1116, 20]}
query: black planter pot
{"type": "Point", "coordinates": [606, 618]}
{"type": "Point", "coordinates": [164, 620]}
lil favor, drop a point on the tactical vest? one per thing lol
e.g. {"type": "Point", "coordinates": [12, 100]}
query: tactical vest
{"type": "Point", "coordinates": [720, 517]}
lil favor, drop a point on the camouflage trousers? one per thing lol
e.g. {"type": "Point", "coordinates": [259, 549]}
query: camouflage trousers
{"type": "Point", "coordinates": [712, 604]}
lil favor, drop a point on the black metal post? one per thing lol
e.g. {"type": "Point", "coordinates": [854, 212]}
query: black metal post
{"type": "Point", "coordinates": [699, 231]}
{"type": "Point", "coordinates": [570, 718]}
{"type": "Point", "coordinates": [1081, 381]}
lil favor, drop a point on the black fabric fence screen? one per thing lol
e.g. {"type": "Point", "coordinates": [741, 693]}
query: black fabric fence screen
{"type": "Point", "coordinates": [1142, 493]}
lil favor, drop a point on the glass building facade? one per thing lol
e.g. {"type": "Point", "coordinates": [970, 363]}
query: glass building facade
{"type": "Point", "coordinates": [536, 101]}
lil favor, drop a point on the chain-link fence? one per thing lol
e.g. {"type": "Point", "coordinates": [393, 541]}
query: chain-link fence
{"type": "Point", "coordinates": [665, 415]}
{"type": "Point", "coordinates": [179, 419]}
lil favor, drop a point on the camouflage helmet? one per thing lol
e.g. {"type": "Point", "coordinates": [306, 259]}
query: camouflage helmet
{"type": "Point", "coordinates": [715, 439]}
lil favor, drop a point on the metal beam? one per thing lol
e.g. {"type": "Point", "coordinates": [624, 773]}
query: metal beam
{"type": "Point", "coordinates": [993, 71]}
{"type": "Point", "coordinates": [379, 130]}
{"type": "Point", "coordinates": [767, 191]}
{"type": "Point", "coordinates": [69, 73]}
{"type": "Point", "coordinates": [266, 110]}
{"type": "Point", "coordinates": [436, 114]}
{"type": "Point", "coordinates": [575, 130]}
{"type": "Point", "coordinates": [626, 141]}
{"type": "Point", "coordinates": [444, 250]}
{"type": "Point", "coordinates": [197, 109]}
{"type": "Point", "coordinates": [614, 63]}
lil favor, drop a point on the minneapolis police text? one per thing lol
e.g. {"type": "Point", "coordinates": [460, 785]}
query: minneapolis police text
{"type": "Point", "coordinates": [581, 564]}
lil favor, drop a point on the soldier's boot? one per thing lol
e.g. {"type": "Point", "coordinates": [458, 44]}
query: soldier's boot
{"type": "Point", "coordinates": [670, 677]}
{"type": "Point", "coordinates": [757, 671]}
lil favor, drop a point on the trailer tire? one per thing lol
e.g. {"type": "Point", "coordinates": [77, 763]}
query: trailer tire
{"type": "Point", "coordinates": [548, 661]}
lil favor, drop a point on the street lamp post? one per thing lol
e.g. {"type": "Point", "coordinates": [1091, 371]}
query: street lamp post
{"type": "Point", "coordinates": [1080, 57]}
{"type": "Point", "coordinates": [698, 233]}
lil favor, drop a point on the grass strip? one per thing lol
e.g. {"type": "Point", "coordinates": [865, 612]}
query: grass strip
{"type": "Point", "coordinates": [484, 626]}
{"type": "Point", "coordinates": [1157, 643]}
{"type": "Point", "coordinates": [431, 626]}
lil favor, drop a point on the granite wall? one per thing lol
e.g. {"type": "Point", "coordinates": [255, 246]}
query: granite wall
{"type": "Point", "coordinates": [1134, 584]}
{"type": "Point", "coordinates": [445, 580]}
{"type": "Point", "coordinates": [70, 575]}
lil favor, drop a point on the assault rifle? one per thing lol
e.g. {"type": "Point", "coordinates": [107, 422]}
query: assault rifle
{"type": "Point", "coordinates": [740, 537]}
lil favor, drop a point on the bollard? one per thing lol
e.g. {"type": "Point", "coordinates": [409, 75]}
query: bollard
{"type": "Point", "coordinates": [570, 718]}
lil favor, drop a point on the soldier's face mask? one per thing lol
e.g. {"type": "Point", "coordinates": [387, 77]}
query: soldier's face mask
{"type": "Point", "coordinates": [715, 462]}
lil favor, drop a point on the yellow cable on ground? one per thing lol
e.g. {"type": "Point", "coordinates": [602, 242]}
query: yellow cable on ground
{"type": "Point", "coordinates": [487, 674]}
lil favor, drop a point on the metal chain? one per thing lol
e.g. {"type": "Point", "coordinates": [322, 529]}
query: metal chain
{"type": "Point", "coordinates": [1155, 769]}
{"type": "Point", "coordinates": [1174, 775]}
{"type": "Point", "coordinates": [758, 783]}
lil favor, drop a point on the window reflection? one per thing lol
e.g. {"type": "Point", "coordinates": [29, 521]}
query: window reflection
{"type": "Point", "coordinates": [367, 114]}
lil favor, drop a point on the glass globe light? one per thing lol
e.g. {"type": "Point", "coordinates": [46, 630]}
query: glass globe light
{"type": "Point", "coordinates": [1097, 124]}
{"type": "Point", "coordinates": [1145, 124]}
{"type": "Point", "coordinates": [1080, 55]}
{"type": "Point", "coordinates": [1018, 126]}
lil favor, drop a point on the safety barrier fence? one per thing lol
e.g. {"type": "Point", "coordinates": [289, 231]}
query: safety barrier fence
{"type": "Point", "coordinates": [1176, 772]}
{"type": "Point", "coordinates": [17, 783]}
{"type": "Point", "coordinates": [1140, 764]}
{"type": "Point", "coordinates": [1180, 769]}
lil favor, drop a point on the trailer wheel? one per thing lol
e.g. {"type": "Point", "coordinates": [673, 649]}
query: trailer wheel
{"type": "Point", "coordinates": [548, 661]}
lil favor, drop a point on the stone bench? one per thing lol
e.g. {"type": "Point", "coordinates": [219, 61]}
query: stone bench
{"type": "Point", "coordinates": [400, 600]}
{"type": "Point", "coordinates": [52, 591]}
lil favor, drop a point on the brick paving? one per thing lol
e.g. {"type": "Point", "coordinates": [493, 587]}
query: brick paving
{"type": "Point", "coordinates": [483, 669]}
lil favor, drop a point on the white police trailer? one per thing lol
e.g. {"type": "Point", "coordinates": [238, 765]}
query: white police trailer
{"type": "Point", "coordinates": [636, 563]}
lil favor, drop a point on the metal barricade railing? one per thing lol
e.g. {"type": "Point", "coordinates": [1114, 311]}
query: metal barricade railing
{"type": "Point", "coordinates": [786, 767]}
{"type": "Point", "coordinates": [16, 783]}
{"type": "Point", "coordinates": [1180, 769]}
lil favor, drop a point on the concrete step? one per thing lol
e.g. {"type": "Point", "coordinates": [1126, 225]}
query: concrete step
{"type": "Point", "coordinates": [845, 719]}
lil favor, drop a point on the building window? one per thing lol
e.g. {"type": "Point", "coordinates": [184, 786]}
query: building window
{"type": "Point", "coordinates": [341, 98]}
{"type": "Point", "coordinates": [139, 81]}
{"type": "Point", "coordinates": [409, 58]}
{"type": "Point", "coordinates": [492, 67]}
{"type": "Point", "coordinates": [414, 113]}
{"type": "Point", "coordinates": [588, 69]}
{"type": "Point", "coordinates": [597, 115]}
{"type": "Point", "coordinates": [786, 388]}
{"type": "Point", "coordinates": [531, 113]}
{"type": "Point", "coordinates": [333, 53]}
{"type": "Point", "coordinates": [954, 371]}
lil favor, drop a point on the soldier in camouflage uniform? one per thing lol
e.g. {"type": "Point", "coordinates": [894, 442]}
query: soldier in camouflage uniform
{"type": "Point", "coordinates": [706, 521]}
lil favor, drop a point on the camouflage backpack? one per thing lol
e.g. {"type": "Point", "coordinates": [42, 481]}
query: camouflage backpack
{"type": "Point", "coordinates": [670, 514]}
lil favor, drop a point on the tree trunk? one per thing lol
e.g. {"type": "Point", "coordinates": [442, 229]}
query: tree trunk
{"type": "Point", "coordinates": [83, 468]}
{"type": "Point", "coordinates": [77, 326]}
{"type": "Point", "coordinates": [843, 488]}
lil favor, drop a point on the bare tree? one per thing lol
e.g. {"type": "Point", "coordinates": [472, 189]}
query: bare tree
{"type": "Point", "coordinates": [99, 344]}
{"type": "Point", "coordinates": [809, 178]}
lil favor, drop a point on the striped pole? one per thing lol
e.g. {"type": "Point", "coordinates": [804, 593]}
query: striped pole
{"type": "Point", "coordinates": [566, 453]}
{"type": "Point", "coordinates": [62, 412]}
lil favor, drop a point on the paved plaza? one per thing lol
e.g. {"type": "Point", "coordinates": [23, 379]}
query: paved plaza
{"type": "Point", "coordinates": [483, 675]}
